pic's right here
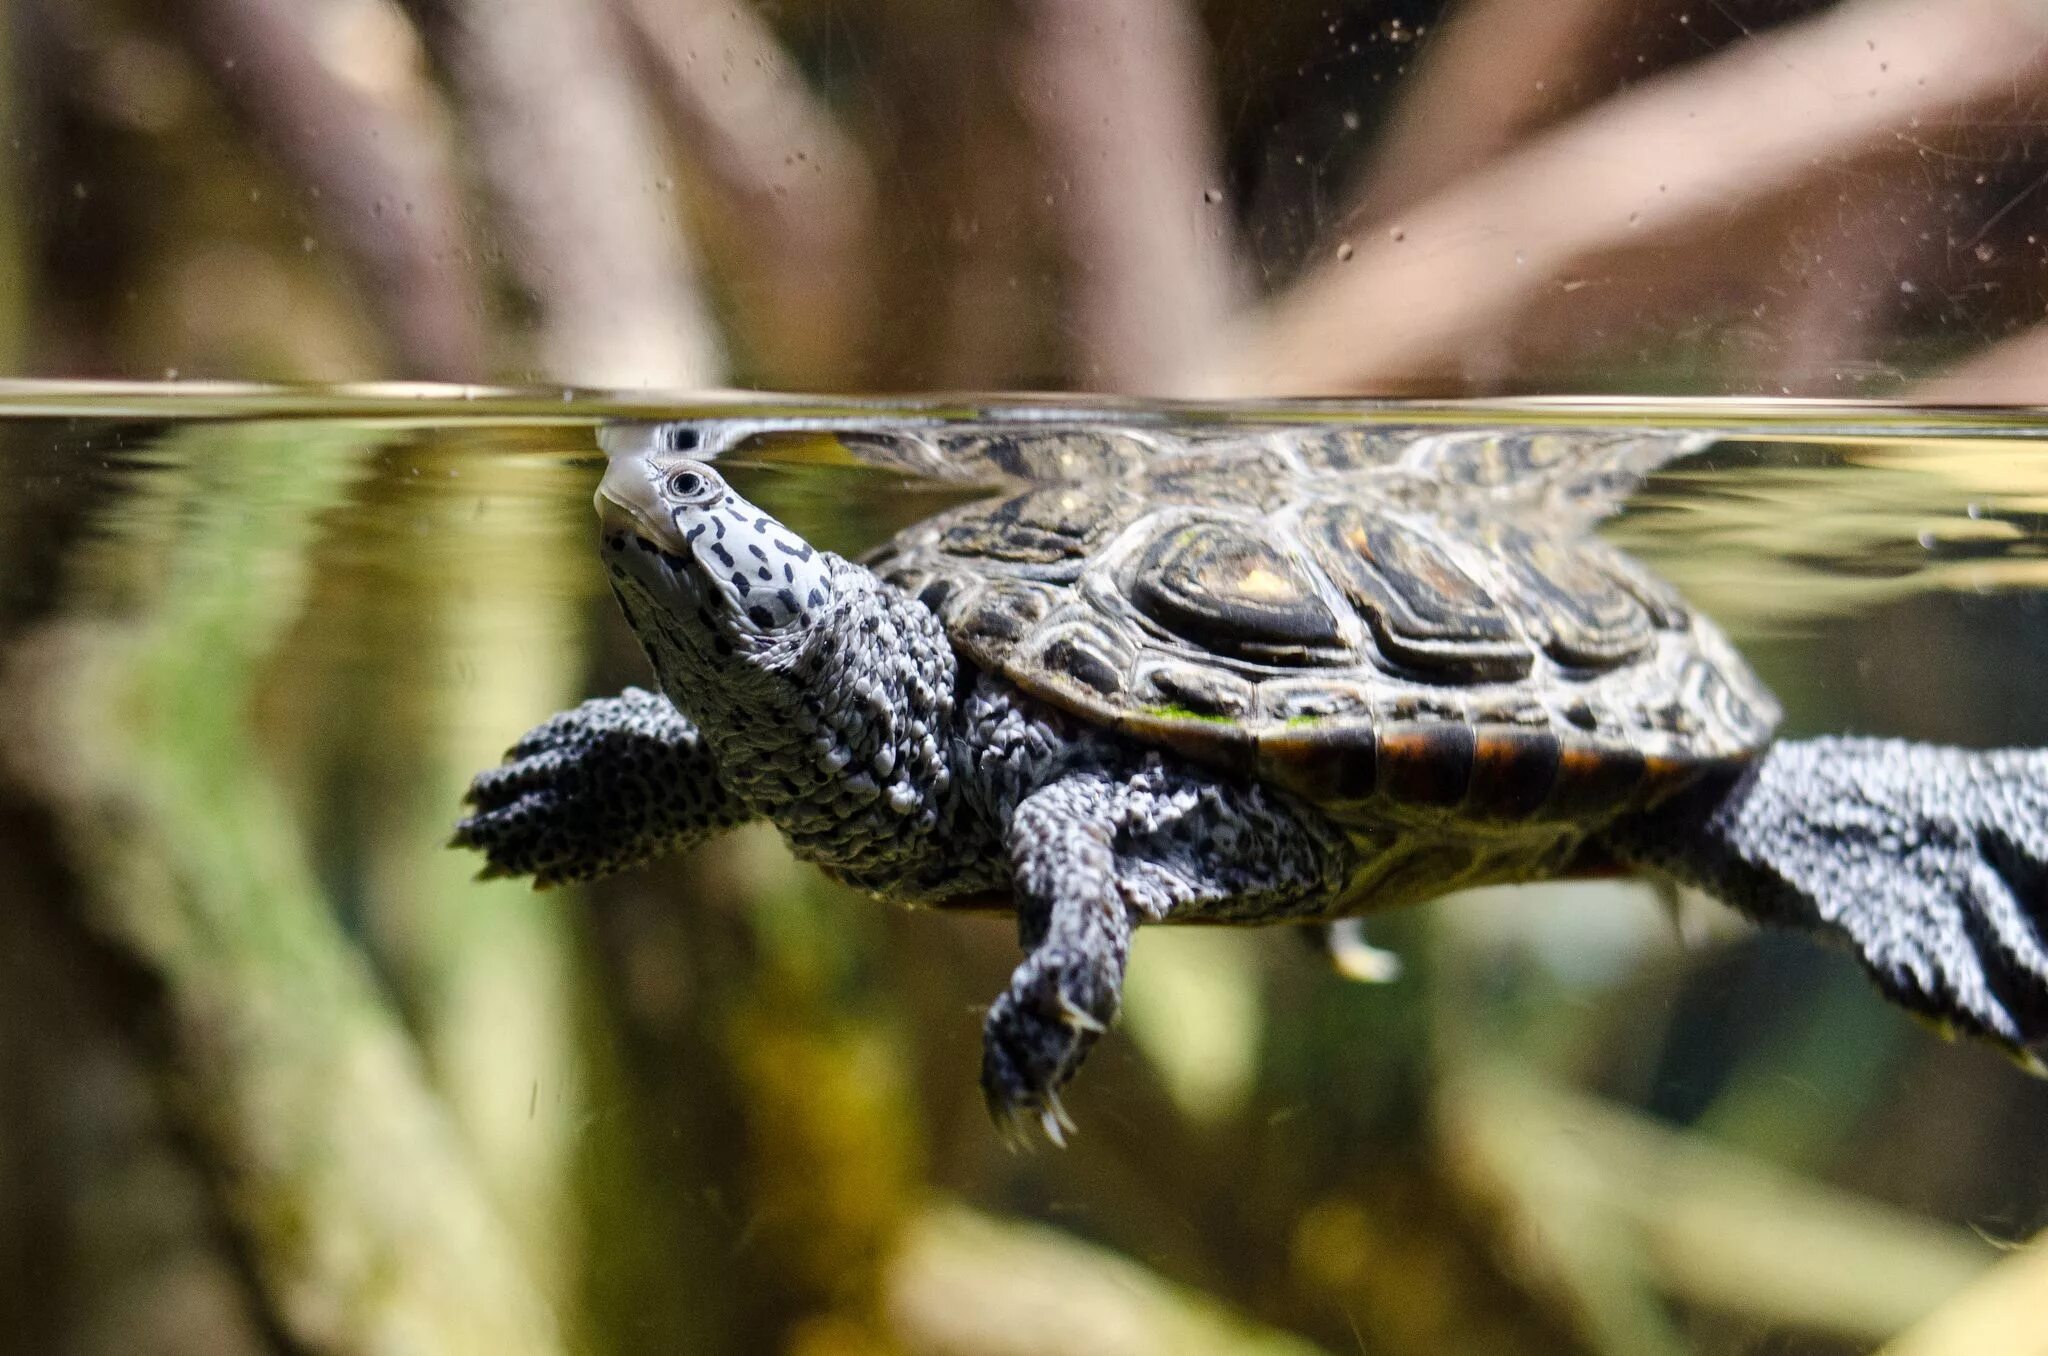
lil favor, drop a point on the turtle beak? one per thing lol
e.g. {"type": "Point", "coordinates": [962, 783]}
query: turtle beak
{"type": "Point", "coordinates": [628, 499]}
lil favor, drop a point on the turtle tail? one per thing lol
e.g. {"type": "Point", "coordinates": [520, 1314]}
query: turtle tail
{"type": "Point", "coordinates": [1929, 863]}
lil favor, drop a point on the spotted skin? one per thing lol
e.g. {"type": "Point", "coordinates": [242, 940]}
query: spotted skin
{"type": "Point", "coordinates": [882, 720]}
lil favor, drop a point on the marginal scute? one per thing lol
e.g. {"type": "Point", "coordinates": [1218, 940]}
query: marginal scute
{"type": "Point", "coordinates": [1513, 771]}
{"type": "Point", "coordinates": [1426, 611]}
{"type": "Point", "coordinates": [1087, 659]}
{"type": "Point", "coordinates": [996, 616]}
{"type": "Point", "coordinates": [1330, 763]}
{"type": "Point", "coordinates": [1427, 764]}
{"type": "Point", "coordinates": [1220, 586]}
{"type": "Point", "coordinates": [1197, 691]}
{"type": "Point", "coordinates": [1592, 776]}
{"type": "Point", "coordinates": [1303, 700]}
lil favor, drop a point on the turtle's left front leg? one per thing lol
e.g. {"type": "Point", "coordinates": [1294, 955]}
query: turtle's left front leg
{"type": "Point", "coordinates": [610, 784]}
{"type": "Point", "coordinates": [1093, 855]}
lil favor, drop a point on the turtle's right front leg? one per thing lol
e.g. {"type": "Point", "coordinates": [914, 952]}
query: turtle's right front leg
{"type": "Point", "coordinates": [1095, 854]}
{"type": "Point", "coordinates": [615, 782]}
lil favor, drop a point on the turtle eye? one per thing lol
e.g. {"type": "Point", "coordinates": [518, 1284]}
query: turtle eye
{"type": "Point", "coordinates": [690, 484]}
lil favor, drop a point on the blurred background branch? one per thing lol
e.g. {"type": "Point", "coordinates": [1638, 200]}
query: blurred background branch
{"type": "Point", "coordinates": [335, 94]}
{"type": "Point", "coordinates": [1640, 203]}
{"type": "Point", "coordinates": [1147, 196]}
{"type": "Point", "coordinates": [568, 157]}
{"type": "Point", "coordinates": [1119, 98]}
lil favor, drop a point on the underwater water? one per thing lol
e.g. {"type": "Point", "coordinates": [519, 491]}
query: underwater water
{"type": "Point", "coordinates": [266, 1048]}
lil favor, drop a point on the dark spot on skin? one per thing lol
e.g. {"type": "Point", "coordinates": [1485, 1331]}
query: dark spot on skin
{"type": "Point", "coordinates": [694, 532]}
{"type": "Point", "coordinates": [762, 617]}
{"type": "Point", "coordinates": [617, 541]}
{"type": "Point", "coordinates": [764, 574]}
{"type": "Point", "coordinates": [724, 556]}
{"type": "Point", "coordinates": [761, 524]}
{"type": "Point", "coordinates": [719, 523]}
{"type": "Point", "coordinates": [674, 562]}
{"type": "Point", "coordinates": [870, 624]}
{"type": "Point", "coordinates": [802, 550]}
{"type": "Point", "coordinates": [739, 581]}
{"type": "Point", "coordinates": [759, 554]}
{"type": "Point", "coordinates": [704, 620]}
{"type": "Point", "coordinates": [788, 573]}
{"type": "Point", "coordinates": [787, 597]}
{"type": "Point", "coordinates": [816, 599]}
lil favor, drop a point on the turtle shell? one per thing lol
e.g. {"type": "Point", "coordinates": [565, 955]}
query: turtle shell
{"type": "Point", "coordinates": [1386, 621]}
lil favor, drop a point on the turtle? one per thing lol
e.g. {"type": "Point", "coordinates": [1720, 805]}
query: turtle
{"type": "Point", "coordinates": [1221, 672]}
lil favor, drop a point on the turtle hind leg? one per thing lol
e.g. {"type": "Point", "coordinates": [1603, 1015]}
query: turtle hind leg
{"type": "Point", "coordinates": [1929, 863]}
{"type": "Point", "coordinates": [610, 784]}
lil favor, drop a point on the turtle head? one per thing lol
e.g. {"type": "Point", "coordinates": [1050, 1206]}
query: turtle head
{"type": "Point", "coordinates": [702, 570]}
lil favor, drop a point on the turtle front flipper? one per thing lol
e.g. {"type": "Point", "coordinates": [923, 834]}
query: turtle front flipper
{"type": "Point", "coordinates": [1096, 853]}
{"type": "Point", "coordinates": [612, 783]}
{"type": "Point", "coordinates": [1930, 863]}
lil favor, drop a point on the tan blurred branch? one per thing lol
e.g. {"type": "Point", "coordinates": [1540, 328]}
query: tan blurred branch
{"type": "Point", "coordinates": [1038, 1292]}
{"type": "Point", "coordinates": [798, 190]}
{"type": "Point", "coordinates": [961, 264]}
{"type": "Point", "coordinates": [374, 165]}
{"type": "Point", "coordinates": [2014, 372]}
{"type": "Point", "coordinates": [2006, 1312]}
{"type": "Point", "coordinates": [1493, 72]}
{"type": "Point", "coordinates": [570, 160]}
{"type": "Point", "coordinates": [1119, 98]}
{"type": "Point", "coordinates": [1600, 1205]}
{"type": "Point", "coordinates": [1524, 246]}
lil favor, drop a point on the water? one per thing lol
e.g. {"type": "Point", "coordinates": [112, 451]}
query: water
{"type": "Point", "coordinates": [253, 643]}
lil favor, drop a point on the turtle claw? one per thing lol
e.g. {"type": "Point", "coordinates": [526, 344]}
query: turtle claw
{"type": "Point", "coordinates": [1079, 1018]}
{"type": "Point", "coordinates": [1009, 1126]}
{"type": "Point", "coordinates": [1357, 959]}
{"type": "Point", "coordinates": [1036, 1035]}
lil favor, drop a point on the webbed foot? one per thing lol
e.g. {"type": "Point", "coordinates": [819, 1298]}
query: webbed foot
{"type": "Point", "coordinates": [1930, 864]}
{"type": "Point", "coordinates": [594, 790]}
{"type": "Point", "coordinates": [1037, 1034]}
